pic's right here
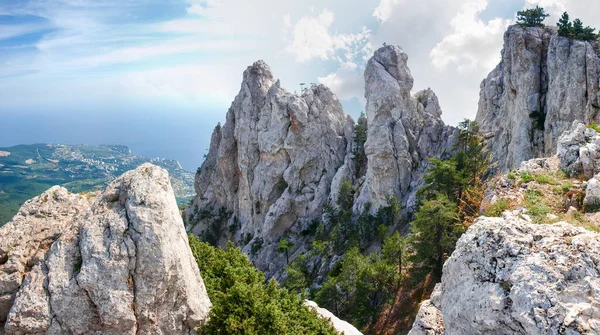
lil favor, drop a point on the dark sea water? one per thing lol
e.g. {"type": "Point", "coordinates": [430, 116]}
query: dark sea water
{"type": "Point", "coordinates": [151, 131]}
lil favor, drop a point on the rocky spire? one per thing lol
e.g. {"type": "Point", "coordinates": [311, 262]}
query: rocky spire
{"type": "Point", "coordinates": [270, 167]}
{"type": "Point", "coordinates": [404, 131]}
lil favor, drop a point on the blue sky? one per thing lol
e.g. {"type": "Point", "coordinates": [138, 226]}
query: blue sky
{"type": "Point", "coordinates": [144, 71]}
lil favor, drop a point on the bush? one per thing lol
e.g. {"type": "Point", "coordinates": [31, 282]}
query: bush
{"type": "Point", "coordinates": [511, 176]}
{"type": "Point", "coordinates": [243, 303]}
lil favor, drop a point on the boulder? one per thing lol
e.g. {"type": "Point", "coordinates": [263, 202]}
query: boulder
{"type": "Point", "coordinates": [579, 151]}
{"type": "Point", "coordinates": [120, 265]}
{"type": "Point", "coordinates": [508, 276]}
{"type": "Point", "coordinates": [343, 327]}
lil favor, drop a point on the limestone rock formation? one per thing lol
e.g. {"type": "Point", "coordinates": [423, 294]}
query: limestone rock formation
{"type": "Point", "coordinates": [280, 158]}
{"type": "Point", "coordinates": [341, 326]}
{"type": "Point", "coordinates": [543, 83]}
{"type": "Point", "coordinates": [579, 151]}
{"type": "Point", "coordinates": [510, 276]}
{"type": "Point", "coordinates": [270, 167]}
{"type": "Point", "coordinates": [121, 265]}
{"type": "Point", "coordinates": [403, 131]}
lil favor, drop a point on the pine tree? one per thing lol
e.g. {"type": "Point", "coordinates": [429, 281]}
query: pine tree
{"type": "Point", "coordinates": [565, 26]}
{"type": "Point", "coordinates": [435, 231]}
{"type": "Point", "coordinates": [577, 28]}
{"type": "Point", "coordinates": [532, 17]}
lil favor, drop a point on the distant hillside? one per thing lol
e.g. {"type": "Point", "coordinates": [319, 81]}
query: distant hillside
{"type": "Point", "coordinates": [28, 170]}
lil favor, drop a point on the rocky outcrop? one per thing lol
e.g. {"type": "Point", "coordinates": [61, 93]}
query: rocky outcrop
{"type": "Point", "coordinates": [341, 326]}
{"type": "Point", "coordinates": [120, 265]}
{"type": "Point", "coordinates": [403, 131]}
{"type": "Point", "coordinates": [543, 83]}
{"type": "Point", "coordinates": [429, 320]}
{"type": "Point", "coordinates": [579, 151]}
{"type": "Point", "coordinates": [510, 276]}
{"type": "Point", "coordinates": [280, 158]}
{"type": "Point", "coordinates": [270, 167]}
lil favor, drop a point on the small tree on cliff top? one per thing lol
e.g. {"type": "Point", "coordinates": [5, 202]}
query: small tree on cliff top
{"type": "Point", "coordinates": [532, 17]}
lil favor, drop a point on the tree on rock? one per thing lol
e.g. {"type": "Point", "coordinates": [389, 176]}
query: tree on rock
{"type": "Point", "coordinates": [564, 25]}
{"type": "Point", "coordinates": [532, 17]}
{"type": "Point", "coordinates": [576, 29]}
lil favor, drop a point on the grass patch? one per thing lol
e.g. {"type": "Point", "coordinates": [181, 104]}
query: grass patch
{"type": "Point", "coordinates": [545, 179]}
{"type": "Point", "coordinates": [497, 208]}
{"type": "Point", "coordinates": [511, 175]}
{"type": "Point", "coordinates": [525, 177]}
{"type": "Point", "coordinates": [563, 188]}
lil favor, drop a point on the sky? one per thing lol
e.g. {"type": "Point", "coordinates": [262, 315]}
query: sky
{"type": "Point", "coordinates": [159, 75]}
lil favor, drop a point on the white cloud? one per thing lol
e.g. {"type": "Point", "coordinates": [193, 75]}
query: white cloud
{"type": "Point", "coordinates": [384, 10]}
{"type": "Point", "coordinates": [345, 84]}
{"type": "Point", "coordinates": [472, 44]}
{"type": "Point", "coordinates": [201, 7]}
{"type": "Point", "coordinates": [311, 39]}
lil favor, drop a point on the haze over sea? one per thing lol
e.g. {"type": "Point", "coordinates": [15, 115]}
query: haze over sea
{"type": "Point", "coordinates": [174, 132]}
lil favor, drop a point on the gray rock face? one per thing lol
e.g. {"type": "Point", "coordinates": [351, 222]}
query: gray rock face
{"type": "Point", "coordinates": [508, 276]}
{"type": "Point", "coordinates": [403, 131]}
{"type": "Point", "coordinates": [579, 151]}
{"type": "Point", "coordinates": [270, 167]}
{"type": "Point", "coordinates": [429, 320]}
{"type": "Point", "coordinates": [121, 265]}
{"type": "Point", "coordinates": [543, 83]}
{"type": "Point", "coordinates": [343, 327]}
{"type": "Point", "coordinates": [591, 202]}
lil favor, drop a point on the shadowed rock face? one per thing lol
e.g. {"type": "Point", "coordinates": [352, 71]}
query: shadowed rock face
{"type": "Point", "coordinates": [511, 276]}
{"type": "Point", "coordinates": [118, 265]}
{"type": "Point", "coordinates": [543, 83]}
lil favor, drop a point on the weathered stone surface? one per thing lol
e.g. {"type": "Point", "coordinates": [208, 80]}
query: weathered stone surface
{"type": "Point", "coordinates": [25, 240]}
{"type": "Point", "coordinates": [579, 151]}
{"type": "Point", "coordinates": [403, 131]}
{"type": "Point", "coordinates": [591, 202]}
{"type": "Point", "coordinates": [343, 327]}
{"type": "Point", "coordinates": [543, 83]}
{"type": "Point", "coordinates": [270, 167]}
{"type": "Point", "coordinates": [429, 320]}
{"type": "Point", "coordinates": [122, 265]}
{"type": "Point", "coordinates": [508, 276]}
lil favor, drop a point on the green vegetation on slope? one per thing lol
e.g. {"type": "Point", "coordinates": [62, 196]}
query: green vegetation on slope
{"type": "Point", "coordinates": [376, 266]}
{"type": "Point", "coordinates": [243, 303]}
{"type": "Point", "coordinates": [28, 170]}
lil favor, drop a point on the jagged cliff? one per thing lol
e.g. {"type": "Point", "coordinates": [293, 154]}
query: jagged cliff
{"type": "Point", "coordinates": [280, 158]}
{"type": "Point", "coordinates": [543, 83]}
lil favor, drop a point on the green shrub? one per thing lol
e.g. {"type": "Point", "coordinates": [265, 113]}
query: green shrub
{"type": "Point", "coordinates": [525, 178]}
{"type": "Point", "coordinates": [511, 175]}
{"type": "Point", "coordinates": [497, 208]}
{"type": "Point", "coordinates": [243, 303]}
